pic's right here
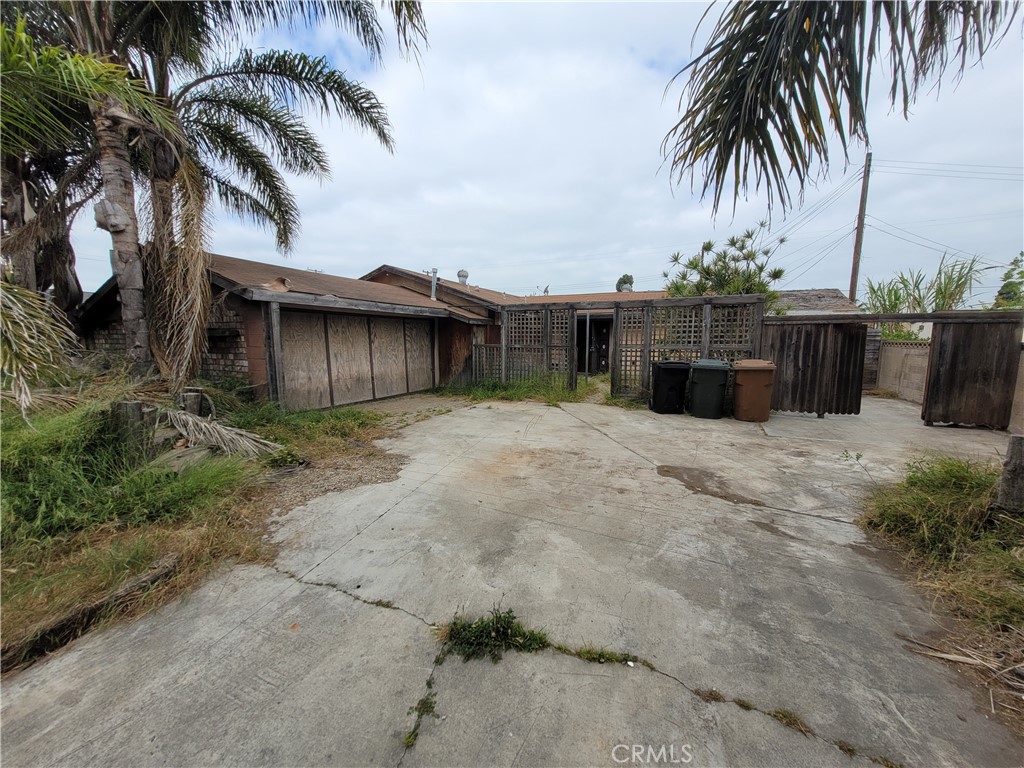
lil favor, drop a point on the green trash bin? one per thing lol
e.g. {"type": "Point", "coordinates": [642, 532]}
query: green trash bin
{"type": "Point", "coordinates": [708, 380]}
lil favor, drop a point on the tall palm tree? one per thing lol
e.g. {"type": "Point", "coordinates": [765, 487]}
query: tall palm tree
{"type": "Point", "coordinates": [773, 73]}
{"type": "Point", "coordinates": [164, 43]}
{"type": "Point", "coordinates": [45, 93]}
{"type": "Point", "coordinates": [241, 124]}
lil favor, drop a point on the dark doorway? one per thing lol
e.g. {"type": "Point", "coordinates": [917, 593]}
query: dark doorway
{"type": "Point", "coordinates": [592, 359]}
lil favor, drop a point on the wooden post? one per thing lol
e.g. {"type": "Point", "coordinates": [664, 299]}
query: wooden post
{"type": "Point", "coordinates": [1011, 481]}
{"type": "Point", "coordinates": [705, 336]}
{"type": "Point", "coordinates": [645, 362]}
{"type": "Point", "coordinates": [272, 344]}
{"type": "Point", "coordinates": [192, 400]}
{"type": "Point", "coordinates": [128, 424]}
{"type": "Point", "coordinates": [614, 364]}
{"type": "Point", "coordinates": [504, 346]}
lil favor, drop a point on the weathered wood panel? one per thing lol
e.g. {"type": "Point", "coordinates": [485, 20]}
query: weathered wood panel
{"type": "Point", "coordinates": [419, 355]}
{"type": "Point", "coordinates": [972, 373]}
{"type": "Point", "coordinates": [304, 361]}
{"type": "Point", "coordinates": [819, 367]}
{"type": "Point", "coordinates": [350, 358]}
{"type": "Point", "coordinates": [388, 356]}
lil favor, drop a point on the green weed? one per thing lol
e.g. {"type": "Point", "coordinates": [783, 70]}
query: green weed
{"type": "Point", "coordinates": [422, 708]}
{"type": "Point", "coordinates": [942, 516]}
{"type": "Point", "coordinates": [546, 390]}
{"type": "Point", "coordinates": [489, 635]}
{"type": "Point", "coordinates": [314, 432]}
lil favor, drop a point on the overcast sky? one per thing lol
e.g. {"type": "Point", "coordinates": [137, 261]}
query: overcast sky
{"type": "Point", "coordinates": [528, 152]}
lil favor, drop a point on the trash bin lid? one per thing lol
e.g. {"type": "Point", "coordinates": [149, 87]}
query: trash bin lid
{"type": "Point", "coordinates": [754, 365]}
{"type": "Point", "coordinates": [672, 364]}
{"type": "Point", "coordinates": [707, 364]}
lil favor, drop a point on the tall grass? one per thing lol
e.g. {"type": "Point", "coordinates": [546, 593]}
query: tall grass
{"type": "Point", "coordinates": [540, 389]}
{"type": "Point", "coordinates": [314, 433]}
{"type": "Point", "coordinates": [942, 516]}
{"type": "Point", "coordinates": [64, 473]}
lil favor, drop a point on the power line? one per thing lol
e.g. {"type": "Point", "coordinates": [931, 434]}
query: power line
{"type": "Point", "coordinates": [946, 246]}
{"type": "Point", "coordinates": [968, 165]}
{"type": "Point", "coordinates": [950, 176]}
{"type": "Point", "coordinates": [825, 252]}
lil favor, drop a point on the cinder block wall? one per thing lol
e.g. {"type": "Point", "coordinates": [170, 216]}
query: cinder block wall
{"type": "Point", "coordinates": [903, 368]}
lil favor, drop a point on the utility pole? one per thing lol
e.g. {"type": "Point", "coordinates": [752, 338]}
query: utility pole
{"type": "Point", "coordinates": [859, 239]}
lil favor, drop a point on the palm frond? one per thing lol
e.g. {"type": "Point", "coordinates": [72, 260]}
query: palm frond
{"type": "Point", "coordinates": [43, 85]}
{"type": "Point", "coordinates": [294, 146]}
{"type": "Point", "coordinates": [299, 81]}
{"type": "Point", "coordinates": [199, 430]}
{"type": "Point", "coordinates": [777, 79]}
{"type": "Point", "coordinates": [226, 145]}
{"type": "Point", "coordinates": [35, 343]}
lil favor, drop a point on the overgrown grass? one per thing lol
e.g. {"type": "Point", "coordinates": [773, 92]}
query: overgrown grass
{"type": "Point", "coordinates": [544, 390]}
{"type": "Point", "coordinates": [80, 512]}
{"type": "Point", "coordinates": [64, 474]}
{"type": "Point", "coordinates": [631, 403]}
{"type": "Point", "coordinates": [942, 515]}
{"type": "Point", "coordinates": [313, 433]}
{"type": "Point", "coordinates": [489, 636]}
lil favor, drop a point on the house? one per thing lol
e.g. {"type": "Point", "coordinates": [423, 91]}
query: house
{"type": "Point", "coordinates": [308, 339]}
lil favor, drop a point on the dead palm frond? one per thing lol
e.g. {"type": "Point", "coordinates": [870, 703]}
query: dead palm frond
{"type": "Point", "coordinates": [199, 430]}
{"type": "Point", "coordinates": [777, 78]}
{"type": "Point", "coordinates": [35, 343]}
{"type": "Point", "coordinates": [60, 401]}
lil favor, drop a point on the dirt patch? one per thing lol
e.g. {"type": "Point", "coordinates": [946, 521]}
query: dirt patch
{"type": "Point", "coordinates": [707, 483]}
{"type": "Point", "coordinates": [363, 466]}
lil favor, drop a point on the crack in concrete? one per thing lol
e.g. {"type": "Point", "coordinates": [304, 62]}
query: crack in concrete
{"type": "Point", "coordinates": [385, 604]}
{"type": "Point", "coordinates": [568, 651]}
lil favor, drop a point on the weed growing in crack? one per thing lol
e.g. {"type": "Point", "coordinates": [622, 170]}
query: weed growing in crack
{"type": "Point", "coordinates": [708, 694]}
{"type": "Point", "coordinates": [846, 748]}
{"type": "Point", "coordinates": [743, 704]}
{"type": "Point", "coordinates": [792, 720]}
{"type": "Point", "coordinates": [489, 635]}
{"type": "Point", "coordinates": [598, 655]}
{"type": "Point", "coordinates": [422, 708]}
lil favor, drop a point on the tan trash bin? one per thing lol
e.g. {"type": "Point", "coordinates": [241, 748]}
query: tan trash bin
{"type": "Point", "coordinates": [753, 388]}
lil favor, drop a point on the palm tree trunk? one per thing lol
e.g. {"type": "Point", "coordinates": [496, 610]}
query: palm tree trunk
{"type": "Point", "coordinates": [116, 213]}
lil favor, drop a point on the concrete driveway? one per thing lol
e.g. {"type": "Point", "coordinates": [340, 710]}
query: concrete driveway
{"type": "Point", "coordinates": [723, 553]}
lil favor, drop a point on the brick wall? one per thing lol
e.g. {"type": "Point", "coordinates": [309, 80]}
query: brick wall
{"type": "Point", "coordinates": [109, 339]}
{"type": "Point", "coordinates": [226, 356]}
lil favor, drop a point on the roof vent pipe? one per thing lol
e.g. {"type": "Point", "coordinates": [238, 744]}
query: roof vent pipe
{"type": "Point", "coordinates": [463, 276]}
{"type": "Point", "coordinates": [433, 284]}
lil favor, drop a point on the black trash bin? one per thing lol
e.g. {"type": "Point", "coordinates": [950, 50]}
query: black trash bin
{"type": "Point", "coordinates": [707, 388]}
{"type": "Point", "coordinates": [668, 386]}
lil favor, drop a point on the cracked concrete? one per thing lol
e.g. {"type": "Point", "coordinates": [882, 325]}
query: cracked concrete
{"type": "Point", "coordinates": [562, 515]}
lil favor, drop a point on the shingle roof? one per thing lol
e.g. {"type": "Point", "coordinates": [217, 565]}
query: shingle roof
{"type": "Point", "coordinates": [579, 298]}
{"type": "Point", "coordinates": [256, 275]}
{"type": "Point", "coordinates": [816, 300]}
{"type": "Point", "coordinates": [484, 295]}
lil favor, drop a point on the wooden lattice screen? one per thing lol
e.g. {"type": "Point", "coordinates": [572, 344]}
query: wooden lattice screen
{"type": "Point", "coordinates": [720, 327]}
{"type": "Point", "coordinates": [539, 343]}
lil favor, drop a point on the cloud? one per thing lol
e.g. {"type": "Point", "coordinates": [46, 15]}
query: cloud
{"type": "Point", "coordinates": [528, 152]}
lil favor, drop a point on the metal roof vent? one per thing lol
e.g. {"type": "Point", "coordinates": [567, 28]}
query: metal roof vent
{"type": "Point", "coordinates": [463, 276]}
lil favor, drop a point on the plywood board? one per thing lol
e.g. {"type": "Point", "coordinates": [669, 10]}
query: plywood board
{"type": "Point", "coordinates": [388, 356]}
{"type": "Point", "coordinates": [350, 358]}
{"type": "Point", "coordinates": [304, 361]}
{"type": "Point", "coordinates": [419, 354]}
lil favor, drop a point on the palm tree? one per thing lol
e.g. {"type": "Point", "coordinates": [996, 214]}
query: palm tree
{"type": "Point", "coordinates": [758, 96]}
{"type": "Point", "coordinates": [241, 126]}
{"type": "Point", "coordinates": [237, 116]}
{"type": "Point", "coordinates": [47, 153]}
{"type": "Point", "coordinates": [45, 90]}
